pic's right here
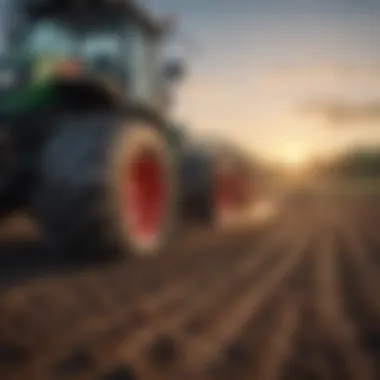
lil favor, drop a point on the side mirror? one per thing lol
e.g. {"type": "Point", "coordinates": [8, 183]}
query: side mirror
{"type": "Point", "coordinates": [174, 71]}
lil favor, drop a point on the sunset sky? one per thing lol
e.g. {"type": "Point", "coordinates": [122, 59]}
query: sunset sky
{"type": "Point", "coordinates": [286, 79]}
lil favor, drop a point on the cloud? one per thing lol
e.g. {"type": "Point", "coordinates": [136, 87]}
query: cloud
{"type": "Point", "coordinates": [342, 112]}
{"type": "Point", "coordinates": [323, 74]}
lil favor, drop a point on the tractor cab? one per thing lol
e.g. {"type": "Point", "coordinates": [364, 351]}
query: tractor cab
{"type": "Point", "coordinates": [111, 42]}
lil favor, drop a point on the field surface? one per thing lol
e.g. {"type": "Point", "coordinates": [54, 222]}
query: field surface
{"type": "Point", "coordinates": [297, 297]}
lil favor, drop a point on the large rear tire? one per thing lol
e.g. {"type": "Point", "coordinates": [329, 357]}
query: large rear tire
{"type": "Point", "coordinates": [107, 187]}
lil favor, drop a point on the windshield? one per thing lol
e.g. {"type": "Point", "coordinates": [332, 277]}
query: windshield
{"type": "Point", "coordinates": [105, 44]}
{"type": "Point", "coordinates": [49, 37]}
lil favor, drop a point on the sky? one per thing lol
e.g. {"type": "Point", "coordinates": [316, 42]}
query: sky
{"type": "Point", "coordinates": [285, 79]}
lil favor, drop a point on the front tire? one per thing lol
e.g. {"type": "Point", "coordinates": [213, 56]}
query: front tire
{"type": "Point", "coordinates": [107, 188]}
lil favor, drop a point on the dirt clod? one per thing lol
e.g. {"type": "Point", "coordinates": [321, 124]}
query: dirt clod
{"type": "Point", "coordinates": [122, 372]}
{"type": "Point", "coordinates": [13, 354]}
{"type": "Point", "coordinates": [78, 360]}
{"type": "Point", "coordinates": [163, 351]}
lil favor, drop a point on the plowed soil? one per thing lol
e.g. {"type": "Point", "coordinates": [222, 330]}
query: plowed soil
{"type": "Point", "coordinates": [296, 298]}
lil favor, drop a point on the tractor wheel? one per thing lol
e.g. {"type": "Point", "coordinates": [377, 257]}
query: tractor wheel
{"type": "Point", "coordinates": [213, 204]}
{"type": "Point", "coordinates": [107, 186]}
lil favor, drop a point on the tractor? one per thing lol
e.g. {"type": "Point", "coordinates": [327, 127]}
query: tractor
{"type": "Point", "coordinates": [86, 141]}
{"type": "Point", "coordinates": [84, 125]}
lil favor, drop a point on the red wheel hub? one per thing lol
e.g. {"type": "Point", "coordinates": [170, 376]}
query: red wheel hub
{"type": "Point", "coordinates": [224, 191]}
{"type": "Point", "coordinates": [231, 189]}
{"type": "Point", "coordinates": [145, 196]}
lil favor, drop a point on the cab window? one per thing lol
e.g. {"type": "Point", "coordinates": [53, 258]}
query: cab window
{"type": "Point", "coordinates": [49, 37]}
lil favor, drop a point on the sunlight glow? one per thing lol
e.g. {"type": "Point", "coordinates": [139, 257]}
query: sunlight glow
{"type": "Point", "coordinates": [294, 157]}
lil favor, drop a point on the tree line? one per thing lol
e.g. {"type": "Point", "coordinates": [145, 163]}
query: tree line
{"type": "Point", "coordinates": [356, 163]}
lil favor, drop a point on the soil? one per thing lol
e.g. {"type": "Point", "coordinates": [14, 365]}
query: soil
{"type": "Point", "coordinates": [294, 298]}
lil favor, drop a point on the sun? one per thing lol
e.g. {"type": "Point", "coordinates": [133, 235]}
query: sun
{"type": "Point", "coordinates": [294, 157]}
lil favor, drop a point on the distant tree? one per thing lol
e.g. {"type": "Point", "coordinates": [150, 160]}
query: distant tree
{"type": "Point", "coordinates": [357, 163]}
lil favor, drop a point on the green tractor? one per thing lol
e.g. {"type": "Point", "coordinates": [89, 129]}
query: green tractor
{"type": "Point", "coordinates": [83, 126]}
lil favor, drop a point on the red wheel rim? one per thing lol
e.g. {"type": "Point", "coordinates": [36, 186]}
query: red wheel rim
{"type": "Point", "coordinates": [243, 189]}
{"type": "Point", "coordinates": [224, 192]}
{"type": "Point", "coordinates": [231, 190]}
{"type": "Point", "coordinates": [144, 192]}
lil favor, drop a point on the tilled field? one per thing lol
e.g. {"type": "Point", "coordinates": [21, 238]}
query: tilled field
{"type": "Point", "coordinates": [295, 299]}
